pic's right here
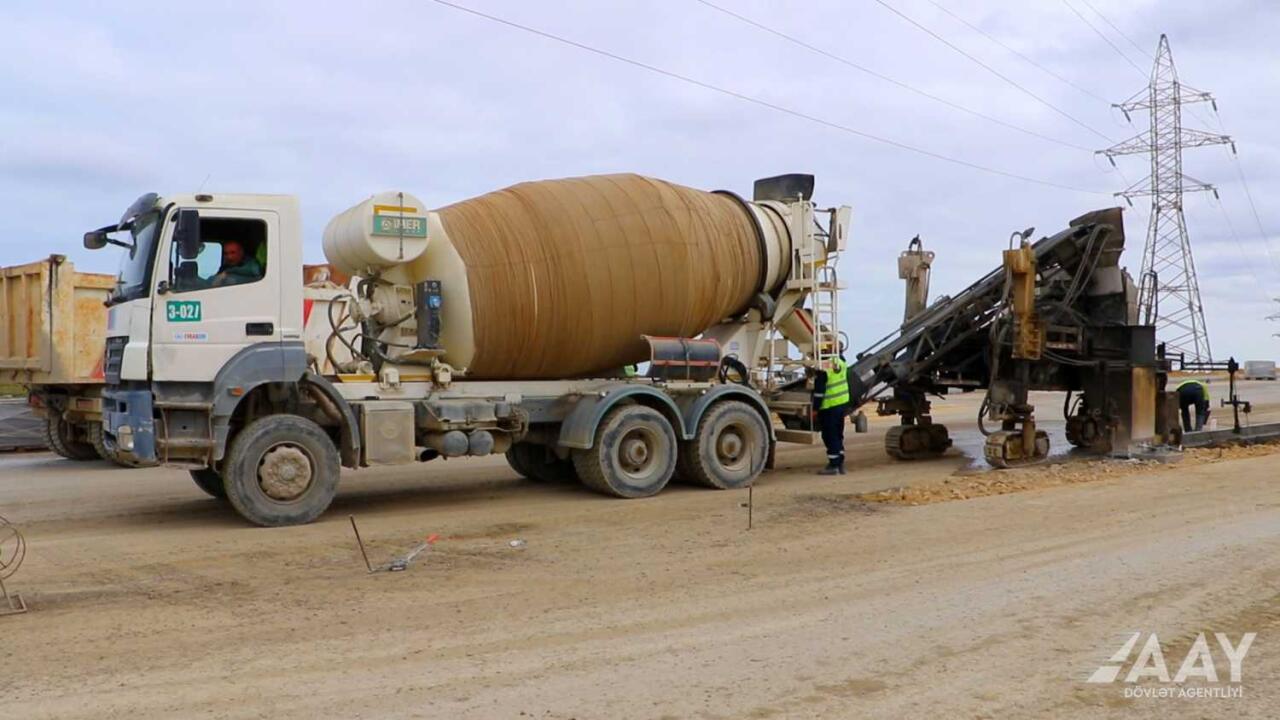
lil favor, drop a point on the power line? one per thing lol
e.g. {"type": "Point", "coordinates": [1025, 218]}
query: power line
{"type": "Point", "coordinates": [1266, 243]}
{"type": "Point", "coordinates": [886, 78]}
{"type": "Point", "coordinates": [1247, 192]}
{"type": "Point", "coordinates": [1026, 58]}
{"type": "Point", "coordinates": [993, 71]}
{"type": "Point", "coordinates": [1240, 246]}
{"type": "Point", "coordinates": [1119, 32]}
{"type": "Point", "coordinates": [1244, 182]}
{"type": "Point", "coordinates": [1105, 39]}
{"type": "Point", "coordinates": [760, 102]}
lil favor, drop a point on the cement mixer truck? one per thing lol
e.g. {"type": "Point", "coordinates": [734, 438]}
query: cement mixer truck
{"type": "Point", "coordinates": [508, 323]}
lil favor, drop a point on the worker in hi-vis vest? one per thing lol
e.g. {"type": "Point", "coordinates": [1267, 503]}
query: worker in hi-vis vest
{"type": "Point", "coordinates": [1193, 393]}
{"type": "Point", "coordinates": [831, 401]}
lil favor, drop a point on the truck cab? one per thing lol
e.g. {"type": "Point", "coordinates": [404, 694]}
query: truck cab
{"type": "Point", "coordinates": [182, 319]}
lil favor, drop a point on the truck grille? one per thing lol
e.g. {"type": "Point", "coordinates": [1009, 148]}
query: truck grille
{"type": "Point", "coordinates": [113, 359]}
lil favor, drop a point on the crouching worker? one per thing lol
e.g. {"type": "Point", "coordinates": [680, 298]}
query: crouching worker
{"type": "Point", "coordinates": [831, 400]}
{"type": "Point", "coordinates": [1193, 393]}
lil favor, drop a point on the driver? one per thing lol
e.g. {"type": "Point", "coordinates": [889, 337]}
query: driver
{"type": "Point", "coordinates": [237, 266]}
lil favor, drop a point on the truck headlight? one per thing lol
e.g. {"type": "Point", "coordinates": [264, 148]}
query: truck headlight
{"type": "Point", "coordinates": [124, 438]}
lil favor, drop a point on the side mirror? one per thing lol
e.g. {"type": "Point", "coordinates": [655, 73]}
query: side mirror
{"type": "Point", "coordinates": [95, 240]}
{"type": "Point", "coordinates": [187, 234]}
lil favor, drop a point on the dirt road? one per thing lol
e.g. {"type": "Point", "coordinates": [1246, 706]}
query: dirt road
{"type": "Point", "coordinates": [151, 600]}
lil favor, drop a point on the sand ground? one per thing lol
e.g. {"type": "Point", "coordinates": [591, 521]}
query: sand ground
{"type": "Point", "coordinates": [848, 597]}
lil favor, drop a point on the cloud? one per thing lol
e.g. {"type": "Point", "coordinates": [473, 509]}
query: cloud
{"type": "Point", "coordinates": [331, 103]}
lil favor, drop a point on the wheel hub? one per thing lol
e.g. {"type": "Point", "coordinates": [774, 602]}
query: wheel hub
{"type": "Point", "coordinates": [285, 473]}
{"type": "Point", "coordinates": [635, 453]}
{"type": "Point", "coordinates": [729, 447]}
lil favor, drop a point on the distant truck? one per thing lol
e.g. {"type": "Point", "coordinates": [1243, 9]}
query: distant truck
{"type": "Point", "coordinates": [1260, 370]}
{"type": "Point", "coordinates": [53, 328]}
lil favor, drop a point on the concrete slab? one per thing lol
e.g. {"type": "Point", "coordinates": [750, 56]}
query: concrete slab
{"type": "Point", "coordinates": [1252, 433]}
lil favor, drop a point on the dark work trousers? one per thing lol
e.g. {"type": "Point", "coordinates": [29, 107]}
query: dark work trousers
{"type": "Point", "coordinates": [1189, 396]}
{"type": "Point", "coordinates": [831, 422]}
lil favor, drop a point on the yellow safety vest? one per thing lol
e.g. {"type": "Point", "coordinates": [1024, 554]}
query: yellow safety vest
{"type": "Point", "coordinates": [1201, 383]}
{"type": "Point", "coordinates": [837, 390]}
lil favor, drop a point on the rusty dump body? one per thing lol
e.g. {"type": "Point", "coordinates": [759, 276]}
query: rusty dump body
{"type": "Point", "coordinates": [53, 323]}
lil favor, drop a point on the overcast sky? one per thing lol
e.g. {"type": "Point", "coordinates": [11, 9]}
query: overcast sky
{"type": "Point", "coordinates": [106, 101]}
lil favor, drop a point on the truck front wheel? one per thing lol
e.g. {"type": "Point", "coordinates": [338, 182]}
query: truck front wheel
{"type": "Point", "coordinates": [281, 470]}
{"type": "Point", "coordinates": [634, 454]}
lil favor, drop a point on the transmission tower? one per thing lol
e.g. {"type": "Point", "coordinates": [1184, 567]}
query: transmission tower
{"type": "Point", "coordinates": [1168, 292]}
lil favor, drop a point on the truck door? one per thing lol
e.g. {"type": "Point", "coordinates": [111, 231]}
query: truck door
{"type": "Point", "coordinates": [227, 298]}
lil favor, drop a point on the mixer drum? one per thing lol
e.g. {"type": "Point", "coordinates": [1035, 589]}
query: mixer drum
{"type": "Point", "coordinates": [564, 276]}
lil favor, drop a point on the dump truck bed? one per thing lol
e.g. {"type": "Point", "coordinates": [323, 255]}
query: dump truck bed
{"type": "Point", "coordinates": [53, 323]}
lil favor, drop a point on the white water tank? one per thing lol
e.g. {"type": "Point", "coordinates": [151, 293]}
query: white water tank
{"type": "Point", "coordinates": [385, 230]}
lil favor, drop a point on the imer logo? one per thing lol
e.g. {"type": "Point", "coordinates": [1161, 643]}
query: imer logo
{"type": "Point", "coordinates": [1198, 664]}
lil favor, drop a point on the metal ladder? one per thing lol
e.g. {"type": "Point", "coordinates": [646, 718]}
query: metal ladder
{"type": "Point", "coordinates": [813, 271]}
{"type": "Point", "coordinates": [826, 299]}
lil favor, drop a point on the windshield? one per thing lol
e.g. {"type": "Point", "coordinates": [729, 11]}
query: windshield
{"type": "Point", "coordinates": [135, 265]}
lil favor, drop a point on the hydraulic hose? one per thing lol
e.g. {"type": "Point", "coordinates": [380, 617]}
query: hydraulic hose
{"type": "Point", "coordinates": [982, 411]}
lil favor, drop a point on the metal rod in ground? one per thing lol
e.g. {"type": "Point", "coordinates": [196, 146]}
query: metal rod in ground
{"type": "Point", "coordinates": [360, 542]}
{"type": "Point", "coordinates": [13, 604]}
{"type": "Point", "coordinates": [751, 504]}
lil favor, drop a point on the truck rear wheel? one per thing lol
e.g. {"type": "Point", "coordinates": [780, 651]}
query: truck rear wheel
{"type": "Point", "coordinates": [634, 454]}
{"type": "Point", "coordinates": [281, 470]}
{"type": "Point", "coordinates": [208, 480]}
{"type": "Point", "coordinates": [539, 464]}
{"type": "Point", "coordinates": [729, 449]}
{"type": "Point", "coordinates": [67, 440]}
